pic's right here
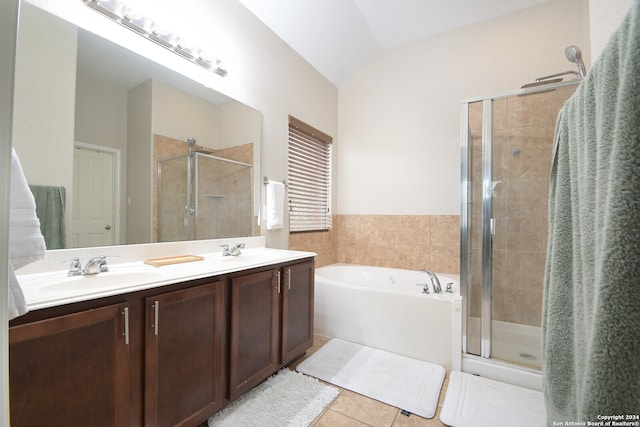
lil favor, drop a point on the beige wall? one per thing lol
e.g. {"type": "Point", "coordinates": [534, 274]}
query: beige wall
{"type": "Point", "coordinates": [180, 115]}
{"type": "Point", "coordinates": [399, 116]}
{"type": "Point", "coordinates": [605, 16]}
{"type": "Point", "coordinates": [104, 124]}
{"type": "Point", "coordinates": [43, 126]}
{"type": "Point", "coordinates": [140, 162]}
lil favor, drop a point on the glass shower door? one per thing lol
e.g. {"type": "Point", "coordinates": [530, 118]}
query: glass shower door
{"type": "Point", "coordinates": [175, 211]}
{"type": "Point", "coordinates": [506, 167]}
{"type": "Point", "coordinates": [471, 273]}
{"type": "Point", "coordinates": [223, 190]}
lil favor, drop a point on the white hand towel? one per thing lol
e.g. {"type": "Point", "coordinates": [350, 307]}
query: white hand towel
{"type": "Point", "coordinates": [26, 243]}
{"type": "Point", "coordinates": [275, 205]}
{"type": "Point", "coordinates": [17, 303]}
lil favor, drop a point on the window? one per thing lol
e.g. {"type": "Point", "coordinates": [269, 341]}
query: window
{"type": "Point", "coordinates": [309, 178]}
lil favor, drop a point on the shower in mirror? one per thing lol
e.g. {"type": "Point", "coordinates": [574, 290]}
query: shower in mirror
{"type": "Point", "coordinates": [203, 196]}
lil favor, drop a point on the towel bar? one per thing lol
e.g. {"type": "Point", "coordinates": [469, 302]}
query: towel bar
{"type": "Point", "coordinates": [266, 181]}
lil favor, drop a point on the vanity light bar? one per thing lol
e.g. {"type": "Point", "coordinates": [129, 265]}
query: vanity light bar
{"type": "Point", "coordinates": [144, 26]}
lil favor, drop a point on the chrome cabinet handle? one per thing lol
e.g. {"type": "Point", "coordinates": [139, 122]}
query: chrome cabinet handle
{"type": "Point", "coordinates": [125, 313]}
{"type": "Point", "coordinates": [289, 278]}
{"type": "Point", "coordinates": [156, 309]}
{"type": "Point", "coordinates": [278, 279]}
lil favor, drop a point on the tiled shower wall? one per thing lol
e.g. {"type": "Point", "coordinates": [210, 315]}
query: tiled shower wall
{"type": "Point", "coordinates": [401, 241]}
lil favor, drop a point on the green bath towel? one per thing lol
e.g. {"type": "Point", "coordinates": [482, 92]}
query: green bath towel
{"type": "Point", "coordinates": [50, 203]}
{"type": "Point", "coordinates": [591, 309]}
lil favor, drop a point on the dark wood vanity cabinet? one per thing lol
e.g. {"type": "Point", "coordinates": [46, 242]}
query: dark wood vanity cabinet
{"type": "Point", "coordinates": [71, 370]}
{"type": "Point", "coordinates": [255, 330]}
{"type": "Point", "coordinates": [297, 310]}
{"type": "Point", "coordinates": [167, 356]}
{"type": "Point", "coordinates": [184, 355]}
{"type": "Point", "coordinates": [271, 323]}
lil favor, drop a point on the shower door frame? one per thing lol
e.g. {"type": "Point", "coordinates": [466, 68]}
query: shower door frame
{"type": "Point", "coordinates": [488, 225]}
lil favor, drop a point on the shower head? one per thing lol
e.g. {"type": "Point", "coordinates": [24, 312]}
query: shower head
{"type": "Point", "coordinates": [574, 55]}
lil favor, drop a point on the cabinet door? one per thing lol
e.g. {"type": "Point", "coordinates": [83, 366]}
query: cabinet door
{"type": "Point", "coordinates": [255, 325]}
{"type": "Point", "coordinates": [71, 370]}
{"type": "Point", "coordinates": [297, 310]}
{"type": "Point", "coordinates": [184, 366]}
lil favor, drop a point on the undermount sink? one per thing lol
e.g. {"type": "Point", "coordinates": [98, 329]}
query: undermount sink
{"type": "Point", "coordinates": [60, 282]}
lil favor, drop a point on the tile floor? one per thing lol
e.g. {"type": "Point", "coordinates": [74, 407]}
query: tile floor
{"type": "Point", "coordinates": [352, 409]}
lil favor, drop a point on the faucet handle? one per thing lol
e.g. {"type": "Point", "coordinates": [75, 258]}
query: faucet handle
{"type": "Point", "coordinates": [75, 266]}
{"type": "Point", "coordinates": [425, 287]}
{"type": "Point", "coordinates": [103, 263]}
{"type": "Point", "coordinates": [449, 287]}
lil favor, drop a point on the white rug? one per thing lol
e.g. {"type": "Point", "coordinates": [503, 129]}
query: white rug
{"type": "Point", "coordinates": [473, 401]}
{"type": "Point", "coordinates": [409, 384]}
{"type": "Point", "coordinates": [285, 399]}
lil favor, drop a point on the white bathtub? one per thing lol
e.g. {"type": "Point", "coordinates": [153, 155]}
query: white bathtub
{"type": "Point", "coordinates": [385, 308]}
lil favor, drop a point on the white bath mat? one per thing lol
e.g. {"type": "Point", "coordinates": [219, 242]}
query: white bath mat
{"type": "Point", "coordinates": [288, 399]}
{"type": "Point", "coordinates": [473, 401]}
{"type": "Point", "coordinates": [400, 381]}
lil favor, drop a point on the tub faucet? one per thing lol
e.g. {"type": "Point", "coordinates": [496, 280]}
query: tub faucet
{"type": "Point", "coordinates": [434, 281]}
{"type": "Point", "coordinates": [234, 251]}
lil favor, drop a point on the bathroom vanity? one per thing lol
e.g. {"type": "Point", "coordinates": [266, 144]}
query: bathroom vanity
{"type": "Point", "coordinates": [170, 351]}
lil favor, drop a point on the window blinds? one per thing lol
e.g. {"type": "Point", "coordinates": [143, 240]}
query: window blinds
{"type": "Point", "coordinates": [309, 179]}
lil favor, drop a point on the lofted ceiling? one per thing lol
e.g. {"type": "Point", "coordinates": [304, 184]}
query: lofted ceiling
{"type": "Point", "coordinates": [339, 36]}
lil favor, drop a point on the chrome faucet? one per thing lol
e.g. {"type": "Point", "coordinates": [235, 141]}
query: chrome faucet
{"type": "Point", "coordinates": [95, 265]}
{"type": "Point", "coordinates": [234, 251]}
{"type": "Point", "coordinates": [75, 268]}
{"type": "Point", "coordinates": [437, 288]}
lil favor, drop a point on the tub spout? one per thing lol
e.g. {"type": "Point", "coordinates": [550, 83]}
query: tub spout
{"type": "Point", "coordinates": [437, 288]}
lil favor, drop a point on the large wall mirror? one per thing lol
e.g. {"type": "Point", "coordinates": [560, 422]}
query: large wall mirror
{"type": "Point", "coordinates": [119, 150]}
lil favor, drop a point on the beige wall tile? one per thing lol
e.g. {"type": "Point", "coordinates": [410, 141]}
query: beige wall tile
{"type": "Point", "coordinates": [399, 241]}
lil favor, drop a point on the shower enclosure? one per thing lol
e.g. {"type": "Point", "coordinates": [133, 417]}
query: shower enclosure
{"type": "Point", "coordinates": [201, 196]}
{"type": "Point", "coordinates": [507, 143]}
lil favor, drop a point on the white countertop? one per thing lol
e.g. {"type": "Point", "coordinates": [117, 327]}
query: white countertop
{"type": "Point", "coordinates": [54, 287]}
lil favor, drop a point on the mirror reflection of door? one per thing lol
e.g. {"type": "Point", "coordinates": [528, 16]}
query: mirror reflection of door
{"type": "Point", "coordinates": [94, 184]}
